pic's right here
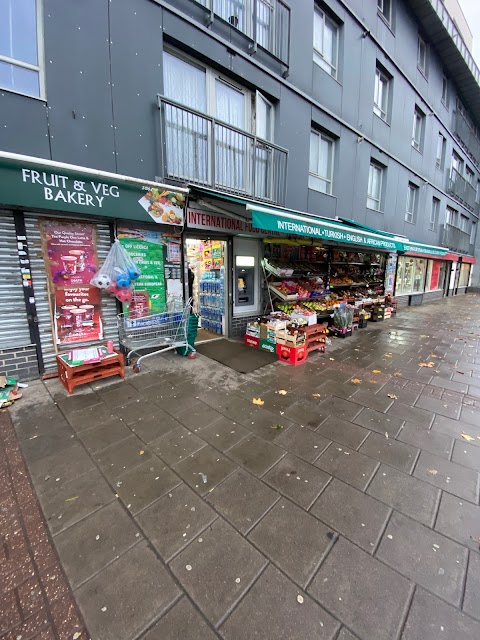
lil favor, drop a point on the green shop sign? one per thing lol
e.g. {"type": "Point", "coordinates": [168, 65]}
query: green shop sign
{"type": "Point", "coordinates": [302, 226]}
{"type": "Point", "coordinates": [34, 186]}
{"type": "Point", "coordinates": [416, 247]}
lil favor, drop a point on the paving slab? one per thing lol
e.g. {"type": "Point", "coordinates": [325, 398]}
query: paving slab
{"type": "Point", "coordinates": [242, 500]}
{"type": "Point", "coordinates": [461, 387]}
{"type": "Point", "coordinates": [396, 454]}
{"type": "Point", "coordinates": [79, 402]}
{"type": "Point", "coordinates": [343, 432]}
{"type": "Point", "coordinates": [431, 619]}
{"type": "Point", "coordinates": [441, 407]}
{"type": "Point", "coordinates": [136, 409]}
{"type": "Point", "coordinates": [223, 433]}
{"type": "Point", "coordinates": [348, 465]}
{"type": "Point", "coordinates": [449, 476]}
{"type": "Point", "coordinates": [105, 434]}
{"type": "Point", "coordinates": [470, 415]}
{"type": "Point", "coordinates": [466, 455]}
{"type": "Point", "coordinates": [471, 603]}
{"type": "Point", "coordinates": [122, 456]}
{"type": "Point", "coordinates": [197, 416]}
{"type": "Point", "coordinates": [425, 557]}
{"type": "Point", "coordinates": [58, 441]}
{"type": "Point", "coordinates": [120, 396]}
{"type": "Point", "coordinates": [370, 598]}
{"type": "Point", "coordinates": [128, 596]}
{"type": "Point", "coordinates": [379, 422]}
{"type": "Point", "coordinates": [182, 622]}
{"type": "Point", "coordinates": [177, 445]}
{"type": "Point", "coordinates": [217, 569]}
{"type": "Point", "coordinates": [256, 455]}
{"type": "Point", "coordinates": [340, 408]}
{"type": "Point", "coordinates": [307, 414]}
{"type": "Point", "coordinates": [90, 545]}
{"type": "Point", "coordinates": [303, 442]}
{"type": "Point", "coordinates": [90, 416]}
{"type": "Point", "coordinates": [297, 480]}
{"type": "Point", "coordinates": [175, 520]}
{"type": "Point", "coordinates": [271, 610]}
{"type": "Point", "coordinates": [412, 497]}
{"type": "Point", "coordinates": [30, 423]}
{"type": "Point", "coordinates": [60, 468]}
{"type": "Point", "coordinates": [204, 469]}
{"type": "Point", "coordinates": [355, 515]}
{"type": "Point", "coordinates": [411, 414]}
{"type": "Point", "coordinates": [427, 439]}
{"type": "Point", "coordinates": [456, 429]}
{"type": "Point", "coordinates": [152, 427]}
{"type": "Point", "coordinates": [460, 520]}
{"type": "Point", "coordinates": [294, 540]}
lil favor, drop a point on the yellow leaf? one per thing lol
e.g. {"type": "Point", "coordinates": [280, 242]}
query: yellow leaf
{"type": "Point", "coordinates": [392, 395]}
{"type": "Point", "coordinates": [356, 381]}
{"type": "Point", "coordinates": [387, 355]}
{"type": "Point", "coordinates": [142, 452]}
{"type": "Point", "coordinates": [373, 381]}
{"type": "Point", "coordinates": [316, 395]}
{"type": "Point", "coordinates": [426, 364]}
{"type": "Point", "coordinates": [466, 437]}
{"type": "Point", "coordinates": [433, 472]}
{"type": "Point", "coordinates": [397, 374]}
{"type": "Point", "coordinates": [258, 401]}
{"type": "Point", "coordinates": [432, 355]}
{"type": "Point", "coordinates": [71, 499]}
{"type": "Point", "coordinates": [282, 392]}
{"type": "Point", "coordinates": [376, 371]}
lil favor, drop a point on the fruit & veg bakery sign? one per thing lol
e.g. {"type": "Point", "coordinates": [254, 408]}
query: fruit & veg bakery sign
{"type": "Point", "coordinates": [94, 193]}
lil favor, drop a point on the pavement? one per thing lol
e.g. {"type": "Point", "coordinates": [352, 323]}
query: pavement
{"type": "Point", "coordinates": [336, 500]}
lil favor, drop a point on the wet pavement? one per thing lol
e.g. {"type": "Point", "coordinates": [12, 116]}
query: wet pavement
{"type": "Point", "coordinates": [342, 504]}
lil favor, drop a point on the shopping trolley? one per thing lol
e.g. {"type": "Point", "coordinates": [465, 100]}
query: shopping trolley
{"type": "Point", "coordinates": [167, 330]}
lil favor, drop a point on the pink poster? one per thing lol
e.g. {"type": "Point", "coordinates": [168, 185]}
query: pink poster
{"type": "Point", "coordinates": [70, 252]}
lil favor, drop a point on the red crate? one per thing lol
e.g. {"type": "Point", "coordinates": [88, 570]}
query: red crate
{"type": "Point", "coordinates": [292, 355]}
{"type": "Point", "coordinates": [251, 341]}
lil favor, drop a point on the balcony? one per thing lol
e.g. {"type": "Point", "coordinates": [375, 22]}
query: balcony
{"type": "Point", "coordinates": [201, 150]}
{"type": "Point", "coordinates": [265, 22]}
{"type": "Point", "coordinates": [461, 189]}
{"type": "Point", "coordinates": [456, 240]}
{"type": "Point", "coordinates": [467, 137]}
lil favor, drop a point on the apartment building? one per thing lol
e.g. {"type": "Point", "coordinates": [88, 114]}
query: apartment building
{"type": "Point", "coordinates": [356, 118]}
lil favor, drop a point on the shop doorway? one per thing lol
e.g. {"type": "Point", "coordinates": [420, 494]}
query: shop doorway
{"type": "Point", "coordinates": [206, 262]}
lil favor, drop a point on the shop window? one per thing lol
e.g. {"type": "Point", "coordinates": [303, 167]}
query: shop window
{"type": "Point", "coordinates": [375, 186]}
{"type": "Point", "coordinates": [381, 93]}
{"type": "Point", "coordinates": [441, 147]}
{"type": "Point", "coordinates": [412, 203]}
{"type": "Point", "coordinates": [385, 10]}
{"type": "Point", "coordinates": [434, 275]}
{"type": "Point", "coordinates": [410, 275]}
{"type": "Point", "coordinates": [464, 275]}
{"type": "Point", "coordinates": [418, 131]}
{"type": "Point", "coordinates": [20, 48]}
{"type": "Point", "coordinates": [322, 150]}
{"type": "Point", "coordinates": [434, 212]}
{"type": "Point", "coordinates": [325, 42]}
{"type": "Point", "coordinates": [445, 91]}
{"type": "Point", "coordinates": [422, 55]}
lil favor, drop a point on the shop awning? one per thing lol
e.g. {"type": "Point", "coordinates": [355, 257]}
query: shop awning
{"type": "Point", "coordinates": [423, 250]}
{"type": "Point", "coordinates": [41, 184]}
{"type": "Point", "coordinates": [321, 228]}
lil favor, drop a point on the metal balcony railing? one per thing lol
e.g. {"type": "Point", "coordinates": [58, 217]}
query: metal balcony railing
{"type": "Point", "coordinates": [461, 189]}
{"type": "Point", "coordinates": [265, 22]}
{"type": "Point", "coordinates": [205, 151]}
{"type": "Point", "coordinates": [467, 136]}
{"type": "Point", "coordinates": [455, 239]}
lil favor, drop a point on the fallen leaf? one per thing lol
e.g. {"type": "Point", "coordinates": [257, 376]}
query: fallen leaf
{"type": "Point", "coordinates": [258, 401]}
{"type": "Point", "coordinates": [432, 355]}
{"type": "Point", "coordinates": [356, 381]}
{"type": "Point", "coordinates": [316, 395]}
{"type": "Point", "coordinates": [282, 392]}
{"type": "Point", "coordinates": [461, 373]}
{"type": "Point", "coordinates": [433, 472]}
{"type": "Point", "coordinates": [426, 364]}
{"type": "Point", "coordinates": [466, 437]}
{"type": "Point", "coordinates": [76, 497]}
{"type": "Point", "coordinates": [331, 358]}
{"type": "Point", "coordinates": [424, 336]}
{"type": "Point", "coordinates": [387, 355]}
{"type": "Point", "coordinates": [397, 374]}
{"type": "Point", "coordinates": [373, 381]}
{"type": "Point", "coordinates": [277, 427]}
{"type": "Point", "coordinates": [142, 452]}
{"type": "Point", "coordinates": [392, 395]}
{"type": "Point", "coordinates": [376, 371]}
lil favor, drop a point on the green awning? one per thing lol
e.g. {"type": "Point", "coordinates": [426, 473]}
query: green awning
{"type": "Point", "coordinates": [321, 228]}
{"type": "Point", "coordinates": [428, 249]}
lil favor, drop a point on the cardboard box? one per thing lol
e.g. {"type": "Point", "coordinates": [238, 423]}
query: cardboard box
{"type": "Point", "coordinates": [292, 355]}
{"type": "Point", "coordinates": [266, 345]}
{"type": "Point", "coordinates": [309, 319]}
{"type": "Point", "coordinates": [251, 341]}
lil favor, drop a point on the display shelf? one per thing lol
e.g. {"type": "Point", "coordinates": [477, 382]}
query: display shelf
{"type": "Point", "coordinates": [302, 273]}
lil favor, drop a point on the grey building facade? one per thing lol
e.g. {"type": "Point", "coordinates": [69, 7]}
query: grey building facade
{"type": "Point", "coordinates": [362, 109]}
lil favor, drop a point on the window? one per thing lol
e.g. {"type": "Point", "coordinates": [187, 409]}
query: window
{"type": "Point", "coordinates": [385, 9]}
{"type": "Point", "coordinates": [469, 175]}
{"type": "Point", "coordinates": [441, 147]}
{"type": "Point", "coordinates": [325, 42]}
{"type": "Point", "coordinates": [457, 165]}
{"type": "Point", "coordinates": [19, 46]}
{"type": "Point", "coordinates": [422, 55]}
{"type": "Point", "coordinates": [473, 232]}
{"type": "Point", "coordinates": [464, 223]}
{"type": "Point", "coordinates": [445, 91]}
{"type": "Point", "coordinates": [375, 179]}
{"type": "Point", "coordinates": [411, 210]}
{"type": "Point", "coordinates": [380, 98]}
{"type": "Point", "coordinates": [321, 162]}
{"type": "Point", "coordinates": [477, 195]}
{"type": "Point", "coordinates": [434, 214]}
{"type": "Point", "coordinates": [410, 275]}
{"type": "Point", "coordinates": [264, 118]}
{"type": "Point", "coordinates": [451, 217]}
{"type": "Point", "coordinates": [418, 127]}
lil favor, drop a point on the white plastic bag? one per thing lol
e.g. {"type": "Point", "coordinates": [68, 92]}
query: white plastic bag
{"type": "Point", "coordinates": [117, 274]}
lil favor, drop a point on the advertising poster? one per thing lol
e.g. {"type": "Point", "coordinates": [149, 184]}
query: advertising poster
{"type": "Point", "coordinates": [435, 275]}
{"type": "Point", "coordinates": [146, 248]}
{"type": "Point", "coordinates": [77, 315]}
{"type": "Point", "coordinates": [390, 270]}
{"type": "Point", "coordinates": [164, 207]}
{"type": "Point", "coordinates": [70, 252]}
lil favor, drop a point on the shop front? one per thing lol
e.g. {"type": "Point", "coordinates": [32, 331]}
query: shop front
{"type": "Point", "coordinates": [58, 224]}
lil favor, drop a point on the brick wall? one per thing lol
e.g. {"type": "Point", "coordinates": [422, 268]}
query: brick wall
{"type": "Point", "coordinates": [239, 325]}
{"type": "Point", "coordinates": [20, 363]}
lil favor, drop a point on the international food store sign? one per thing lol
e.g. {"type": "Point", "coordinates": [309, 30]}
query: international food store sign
{"type": "Point", "coordinates": [36, 187]}
{"type": "Point", "coordinates": [334, 233]}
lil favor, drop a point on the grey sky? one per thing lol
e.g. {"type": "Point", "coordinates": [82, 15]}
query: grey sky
{"type": "Point", "coordinates": [471, 9]}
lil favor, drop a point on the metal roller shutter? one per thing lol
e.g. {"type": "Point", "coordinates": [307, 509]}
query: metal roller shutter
{"type": "Point", "coordinates": [39, 276]}
{"type": "Point", "coordinates": [14, 330]}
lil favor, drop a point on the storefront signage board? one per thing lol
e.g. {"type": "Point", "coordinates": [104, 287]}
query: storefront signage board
{"type": "Point", "coordinates": [211, 221]}
{"type": "Point", "coordinates": [38, 187]}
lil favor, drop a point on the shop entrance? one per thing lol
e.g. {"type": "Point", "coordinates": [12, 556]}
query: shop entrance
{"type": "Point", "coordinates": [206, 261]}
